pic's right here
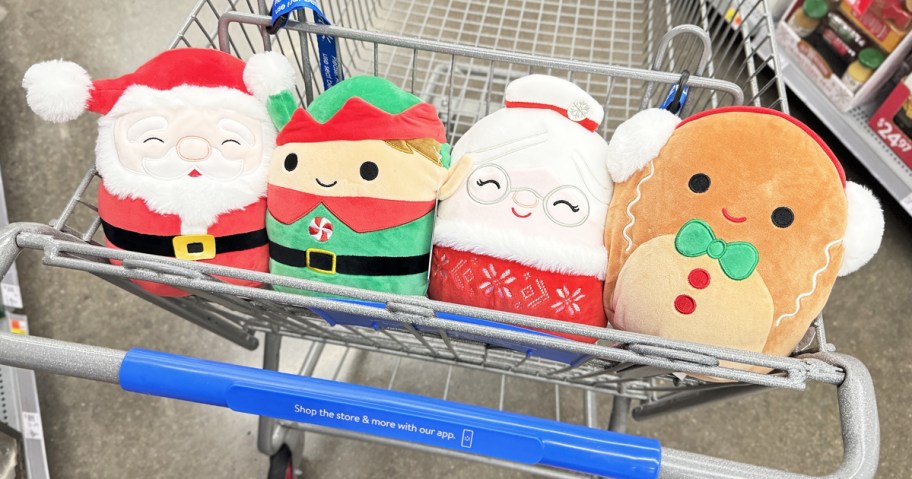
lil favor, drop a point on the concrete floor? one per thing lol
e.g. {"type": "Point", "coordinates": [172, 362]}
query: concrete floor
{"type": "Point", "coordinates": [96, 430]}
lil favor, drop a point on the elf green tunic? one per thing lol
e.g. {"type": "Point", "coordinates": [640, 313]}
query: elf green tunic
{"type": "Point", "coordinates": [321, 247]}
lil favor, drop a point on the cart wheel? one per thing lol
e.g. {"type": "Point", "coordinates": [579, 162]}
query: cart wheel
{"type": "Point", "coordinates": [280, 464]}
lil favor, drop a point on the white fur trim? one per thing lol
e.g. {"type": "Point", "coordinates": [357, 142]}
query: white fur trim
{"type": "Point", "coordinates": [549, 90]}
{"type": "Point", "coordinates": [140, 97]}
{"type": "Point", "coordinates": [57, 90]}
{"type": "Point", "coordinates": [267, 74]}
{"type": "Point", "coordinates": [197, 203]}
{"type": "Point", "coordinates": [638, 140]}
{"type": "Point", "coordinates": [546, 254]}
{"type": "Point", "coordinates": [864, 230]}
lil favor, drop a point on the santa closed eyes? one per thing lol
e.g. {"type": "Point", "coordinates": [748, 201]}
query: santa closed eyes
{"type": "Point", "coordinates": [183, 148]}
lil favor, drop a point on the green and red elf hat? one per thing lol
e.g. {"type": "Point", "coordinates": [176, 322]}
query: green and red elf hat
{"type": "Point", "coordinates": [359, 108]}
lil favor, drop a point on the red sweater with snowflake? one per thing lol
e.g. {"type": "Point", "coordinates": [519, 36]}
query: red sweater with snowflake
{"type": "Point", "coordinates": [483, 281]}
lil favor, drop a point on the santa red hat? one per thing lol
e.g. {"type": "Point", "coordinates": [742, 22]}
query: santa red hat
{"type": "Point", "coordinates": [640, 139]}
{"type": "Point", "coordinates": [60, 91]}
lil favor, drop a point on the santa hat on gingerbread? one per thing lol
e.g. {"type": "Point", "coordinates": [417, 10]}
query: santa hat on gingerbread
{"type": "Point", "coordinates": [639, 140]}
{"type": "Point", "coordinates": [549, 125]}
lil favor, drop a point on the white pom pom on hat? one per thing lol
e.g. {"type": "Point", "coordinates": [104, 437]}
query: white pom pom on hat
{"type": "Point", "coordinates": [865, 228]}
{"type": "Point", "coordinates": [267, 74]}
{"type": "Point", "coordinates": [57, 90]}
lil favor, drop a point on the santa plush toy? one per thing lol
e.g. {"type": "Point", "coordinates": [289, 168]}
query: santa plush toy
{"type": "Point", "coordinates": [183, 148]}
{"type": "Point", "coordinates": [524, 233]}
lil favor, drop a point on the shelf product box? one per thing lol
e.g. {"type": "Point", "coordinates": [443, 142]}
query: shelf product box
{"type": "Point", "coordinates": [826, 51]}
{"type": "Point", "coordinates": [892, 122]}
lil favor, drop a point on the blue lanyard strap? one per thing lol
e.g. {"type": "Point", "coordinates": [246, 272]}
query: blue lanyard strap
{"type": "Point", "coordinates": [330, 69]}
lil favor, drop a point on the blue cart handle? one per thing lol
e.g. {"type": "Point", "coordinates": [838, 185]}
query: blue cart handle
{"type": "Point", "coordinates": [391, 414]}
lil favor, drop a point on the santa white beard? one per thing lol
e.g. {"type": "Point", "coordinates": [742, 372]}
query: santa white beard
{"type": "Point", "coordinates": [198, 201]}
{"type": "Point", "coordinates": [548, 254]}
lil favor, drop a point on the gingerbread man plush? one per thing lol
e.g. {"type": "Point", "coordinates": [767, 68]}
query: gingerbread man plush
{"type": "Point", "coordinates": [729, 228]}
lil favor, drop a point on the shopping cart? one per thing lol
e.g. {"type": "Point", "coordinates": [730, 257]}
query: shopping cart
{"type": "Point", "coordinates": [459, 55]}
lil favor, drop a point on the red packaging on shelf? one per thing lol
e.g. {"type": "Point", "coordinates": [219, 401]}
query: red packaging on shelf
{"type": "Point", "coordinates": [892, 122]}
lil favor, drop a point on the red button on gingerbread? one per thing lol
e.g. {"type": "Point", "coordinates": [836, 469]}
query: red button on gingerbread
{"type": "Point", "coordinates": [698, 278]}
{"type": "Point", "coordinates": [685, 304]}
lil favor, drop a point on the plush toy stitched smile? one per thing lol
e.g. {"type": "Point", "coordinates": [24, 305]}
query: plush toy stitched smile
{"type": "Point", "coordinates": [729, 228]}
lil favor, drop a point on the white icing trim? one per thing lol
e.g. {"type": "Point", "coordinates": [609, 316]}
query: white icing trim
{"type": "Point", "coordinates": [813, 284]}
{"type": "Point", "coordinates": [546, 254]}
{"type": "Point", "coordinates": [630, 205]}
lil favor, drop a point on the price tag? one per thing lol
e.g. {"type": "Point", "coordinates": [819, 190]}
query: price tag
{"type": "Point", "coordinates": [330, 70]}
{"type": "Point", "coordinates": [31, 426]}
{"type": "Point", "coordinates": [12, 296]}
{"type": "Point", "coordinates": [906, 203]}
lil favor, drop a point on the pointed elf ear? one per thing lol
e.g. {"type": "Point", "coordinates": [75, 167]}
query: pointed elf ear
{"type": "Point", "coordinates": [638, 140]}
{"type": "Point", "coordinates": [864, 230]}
{"type": "Point", "coordinates": [454, 177]}
{"type": "Point", "coordinates": [271, 79]}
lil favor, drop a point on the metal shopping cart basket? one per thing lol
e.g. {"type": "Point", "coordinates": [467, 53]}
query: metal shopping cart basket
{"type": "Point", "coordinates": [459, 55]}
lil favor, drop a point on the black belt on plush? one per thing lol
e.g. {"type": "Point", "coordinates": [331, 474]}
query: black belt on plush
{"type": "Point", "coordinates": [328, 262]}
{"type": "Point", "coordinates": [189, 244]}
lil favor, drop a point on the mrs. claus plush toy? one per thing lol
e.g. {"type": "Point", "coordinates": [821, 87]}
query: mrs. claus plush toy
{"type": "Point", "coordinates": [182, 150]}
{"type": "Point", "coordinates": [524, 232]}
{"type": "Point", "coordinates": [353, 185]}
{"type": "Point", "coordinates": [730, 227]}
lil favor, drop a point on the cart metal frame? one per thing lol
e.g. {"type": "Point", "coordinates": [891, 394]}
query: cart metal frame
{"type": "Point", "coordinates": [729, 58]}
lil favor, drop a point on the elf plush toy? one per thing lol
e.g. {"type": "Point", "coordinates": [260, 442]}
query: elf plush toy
{"type": "Point", "coordinates": [353, 186]}
{"type": "Point", "coordinates": [524, 232]}
{"type": "Point", "coordinates": [182, 150]}
{"type": "Point", "coordinates": [730, 227]}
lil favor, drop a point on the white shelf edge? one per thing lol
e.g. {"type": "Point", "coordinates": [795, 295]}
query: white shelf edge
{"type": "Point", "coordinates": [22, 401]}
{"type": "Point", "coordinates": [855, 134]}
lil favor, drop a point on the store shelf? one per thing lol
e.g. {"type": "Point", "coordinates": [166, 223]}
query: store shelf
{"type": "Point", "coordinates": [19, 407]}
{"type": "Point", "coordinates": [852, 129]}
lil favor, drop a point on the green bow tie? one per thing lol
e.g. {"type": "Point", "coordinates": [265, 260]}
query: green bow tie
{"type": "Point", "coordinates": [737, 259]}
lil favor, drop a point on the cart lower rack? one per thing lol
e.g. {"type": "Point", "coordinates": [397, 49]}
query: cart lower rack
{"type": "Point", "coordinates": [459, 56]}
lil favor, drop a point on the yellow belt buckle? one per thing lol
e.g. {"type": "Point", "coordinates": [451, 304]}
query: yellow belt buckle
{"type": "Point", "coordinates": [194, 247]}
{"type": "Point", "coordinates": [323, 251]}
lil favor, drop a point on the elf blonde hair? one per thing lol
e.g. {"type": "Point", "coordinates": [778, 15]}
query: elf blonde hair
{"type": "Point", "coordinates": [426, 147]}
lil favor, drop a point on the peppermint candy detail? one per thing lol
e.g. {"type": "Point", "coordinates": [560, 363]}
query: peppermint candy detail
{"type": "Point", "coordinates": [320, 229]}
